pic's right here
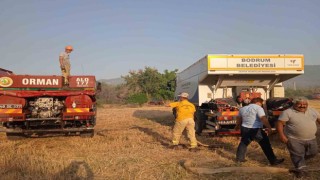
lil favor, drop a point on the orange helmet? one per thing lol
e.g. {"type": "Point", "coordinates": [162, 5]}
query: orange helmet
{"type": "Point", "coordinates": [69, 47]}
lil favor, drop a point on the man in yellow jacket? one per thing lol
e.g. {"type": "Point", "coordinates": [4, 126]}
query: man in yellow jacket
{"type": "Point", "coordinates": [184, 120]}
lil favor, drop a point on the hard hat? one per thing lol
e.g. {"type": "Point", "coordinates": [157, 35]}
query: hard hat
{"type": "Point", "coordinates": [184, 94]}
{"type": "Point", "coordinates": [69, 47]}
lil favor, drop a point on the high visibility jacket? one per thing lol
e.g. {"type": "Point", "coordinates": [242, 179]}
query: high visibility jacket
{"type": "Point", "coordinates": [184, 108]}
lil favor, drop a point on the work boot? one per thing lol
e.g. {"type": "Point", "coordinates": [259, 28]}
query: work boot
{"type": "Point", "coordinates": [299, 173]}
{"type": "Point", "coordinates": [277, 162]}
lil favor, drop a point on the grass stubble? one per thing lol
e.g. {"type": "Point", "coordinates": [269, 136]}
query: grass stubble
{"type": "Point", "coordinates": [131, 143]}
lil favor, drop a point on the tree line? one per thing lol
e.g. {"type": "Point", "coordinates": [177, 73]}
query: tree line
{"type": "Point", "coordinates": [148, 84]}
{"type": "Point", "coordinates": [140, 87]}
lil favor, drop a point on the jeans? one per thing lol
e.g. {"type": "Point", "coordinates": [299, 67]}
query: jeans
{"type": "Point", "coordinates": [256, 134]}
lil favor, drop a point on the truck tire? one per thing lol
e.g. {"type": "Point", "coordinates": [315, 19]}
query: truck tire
{"type": "Point", "coordinates": [15, 136]}
{"type": "Point", "coordinates": [200, 121]}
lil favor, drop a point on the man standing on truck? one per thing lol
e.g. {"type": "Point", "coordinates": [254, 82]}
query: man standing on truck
{"type": "Point", "coordinates": [297, 129]}
{"type": "Point", "coordinates": [184, 120]}
{"type": "Point", "coordinates": [251, 119]}
{"type": "Point", "coordinates": [65, 65]}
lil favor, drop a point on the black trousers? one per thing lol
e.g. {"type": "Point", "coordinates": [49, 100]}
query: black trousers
{"type": "Point", "coordinates": [254, 134]}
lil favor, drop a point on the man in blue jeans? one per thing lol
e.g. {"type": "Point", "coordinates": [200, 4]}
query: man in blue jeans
{"type": "Point", "coordinates": [251, 119]}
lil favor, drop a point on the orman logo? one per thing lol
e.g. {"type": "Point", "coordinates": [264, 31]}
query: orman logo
{"type": "Point", "coordinates": [292, 61]}
{"type": "Point", "coordinates": [5, 82]}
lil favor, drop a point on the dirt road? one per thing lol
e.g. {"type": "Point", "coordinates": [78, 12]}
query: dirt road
{"type": "Point", "coordinates": [130, 143]}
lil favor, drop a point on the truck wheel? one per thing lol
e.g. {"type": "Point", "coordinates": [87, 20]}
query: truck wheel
{"type": "Point", "coordinates": [199, 122]}
{"type": "Point", "coordinates": [198, 127]}
{"type": "Point", "coordinates": [87, 134]}
{"type": "Point", "coordinates": [15, 136]}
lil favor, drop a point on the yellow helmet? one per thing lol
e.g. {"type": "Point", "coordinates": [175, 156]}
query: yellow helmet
{"type": "Point", "coordinates": [69, 48]}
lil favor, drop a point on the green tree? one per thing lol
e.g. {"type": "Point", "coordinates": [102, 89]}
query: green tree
{"type": "Point", "coordinates": [138, 98]}
{"type": "Point", "coordinates": [152, 83]}
{"type": "Point", "coordinates": [132, 81]}
{"type": "Point", "coordinates": [171, 76]}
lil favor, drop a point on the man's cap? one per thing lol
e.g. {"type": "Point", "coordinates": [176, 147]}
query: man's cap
{"type": "Point", "coordinates": [184, 94]}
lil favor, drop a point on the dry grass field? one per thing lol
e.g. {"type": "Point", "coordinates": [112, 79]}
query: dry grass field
{"type": "Point", "coordinates": [132, 143]}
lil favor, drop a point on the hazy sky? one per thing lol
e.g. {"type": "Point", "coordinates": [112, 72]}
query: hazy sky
{"type": "Point", "coordinates": [111, 38]}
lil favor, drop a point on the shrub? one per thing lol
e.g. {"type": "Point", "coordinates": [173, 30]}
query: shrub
{"type": "Point", "coordinates": [138, 98]}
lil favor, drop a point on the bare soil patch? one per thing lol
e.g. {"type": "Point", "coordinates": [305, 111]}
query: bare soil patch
{"type": "Point", "coordinates": [132, 143]}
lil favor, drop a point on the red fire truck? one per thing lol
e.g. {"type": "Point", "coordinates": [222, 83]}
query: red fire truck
{"type": "Point", "coordinates": [33, 105]}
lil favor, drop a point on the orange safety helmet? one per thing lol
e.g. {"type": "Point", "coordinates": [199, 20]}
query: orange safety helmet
{"type": "Point", "coordinates": [69, 48]}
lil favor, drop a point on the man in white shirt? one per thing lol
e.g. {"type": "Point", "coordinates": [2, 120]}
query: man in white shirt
{"type": "Point", "coordinates": [65, 65]}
